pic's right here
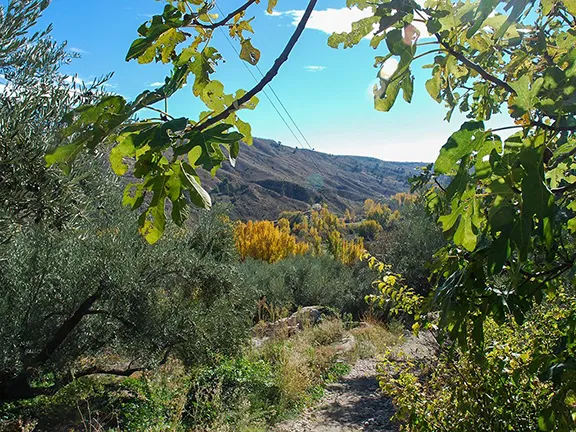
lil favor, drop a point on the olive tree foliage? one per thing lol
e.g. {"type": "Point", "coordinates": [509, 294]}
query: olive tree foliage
{"type": "Point", "coordinates": [34, 95]}
{"type": "Point", "coordinates": [100, 300]}
{"type": "Point", "coordinates": [165, 153]}
{"type": "Point", "coordinates": [507, 205]}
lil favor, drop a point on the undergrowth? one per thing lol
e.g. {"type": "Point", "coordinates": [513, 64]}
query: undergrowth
{"type": "Point", "coordinates": [261, 386]}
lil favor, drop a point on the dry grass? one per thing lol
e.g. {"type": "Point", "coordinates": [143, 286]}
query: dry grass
{"type": "Point", "coordinates": [304, 360]}
{"type": "Point", "coordinates": [329, 331]}
{"type": "Point", "coordinates": [375, 338]}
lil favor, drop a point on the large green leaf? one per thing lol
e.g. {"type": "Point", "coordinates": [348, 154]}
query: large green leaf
{"type": "Point", "coordinates": [460, 144]}
{"type": "Point", "coordinates": [191, 181]}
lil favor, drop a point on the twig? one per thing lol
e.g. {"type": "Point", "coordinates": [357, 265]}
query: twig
{"type": "Point", "coordinates": [554, 127]}
{"type": "Point", "coordinates": [439, 185]}
{"type": "Point", "coordinates": [483, 73]}
{"type": "Point", "coordinates": [506, 128]}
{"type": "Point", "coordinates": [237, 104]}
{"type": "Point", "coordinates": [164, 113]}
{"type": "Point", "coordinates": [426, 53]}
{"type": "Point", "coordinates": [227, 18]}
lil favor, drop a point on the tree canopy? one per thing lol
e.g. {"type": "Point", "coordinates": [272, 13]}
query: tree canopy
{"type": "Point", "coordinates": [505, 202]}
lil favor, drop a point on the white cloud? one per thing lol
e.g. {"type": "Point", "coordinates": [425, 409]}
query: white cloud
{"type": "Point", "coordinates": [329, 20]}
{"type": "Point", "coordinates": [156, 84]}
{"type": "Point", "coordinates": [78, 50]}
{"type": "Point", "coordinates": [338, 20]}
{"type": "Point", "coordinates": [74, 80]}
{"type": "Point", "coordinates": [314, 68]}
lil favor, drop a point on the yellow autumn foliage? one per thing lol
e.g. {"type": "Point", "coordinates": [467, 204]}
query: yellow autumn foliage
{"type": "Point", "coordinates": [403, 198]}
{"type": "Point", "coordinates": [346, 251]}
{"type": "Point", "coordinates": [378, 212]}
{"type": "Point", "coordinates": [263, 240]}
{"type": "Point", "coordinates": [325, 221]}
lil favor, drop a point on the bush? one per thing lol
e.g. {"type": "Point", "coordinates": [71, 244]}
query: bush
{"type": "Point", "coordinates": [495, 389]}
{"type": "Point", "coordinates": [310, 281]}
{"type": "Point", "coordinates": [367, 229]}
{"type": "Point", "coordinates": [375, 338]}
{"type": "Point", "coordinates": [99, 299]}
{"type": "Point", "coordinates": [231, 390]}
{"type": "Point", "coordinates": [151, 402]}
{"type": "Point", "coordinates": [409, 245]}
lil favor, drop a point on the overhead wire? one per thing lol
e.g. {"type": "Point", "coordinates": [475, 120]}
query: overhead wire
{"type": "Point", "coordinates": [227, 37]}
{"type": "Point", "coordinates": [263, 91]}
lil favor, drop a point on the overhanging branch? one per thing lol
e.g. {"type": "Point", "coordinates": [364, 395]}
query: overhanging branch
{"type": "Point", "coordinates": [237, 104]}
{"type": "Point", "coordinates": [228, 17]}
{"type": "Point", "coordinates": [470, 64]}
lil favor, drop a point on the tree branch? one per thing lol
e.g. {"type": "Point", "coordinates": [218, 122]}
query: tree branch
{"type": "Point", "coordinates": [65, 329]}
{"type": "Point", "coordinates": [164, 113]}
{"type": "Point", "coordinates": [110, 314]}
{"type": "Point", "coordinates": [470, 64]}
{"type": "Point", "coordinates": [99, 371]}
{"type": "Point", "coordinates": [237, 104]}
{"type": "Point", "coordinates": [228, 17]}
{"type": "Point", "coordinates": [555, 128]}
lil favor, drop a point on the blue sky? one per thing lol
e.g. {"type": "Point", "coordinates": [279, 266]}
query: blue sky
{"type": "Point", "coordinates": [327, 91]}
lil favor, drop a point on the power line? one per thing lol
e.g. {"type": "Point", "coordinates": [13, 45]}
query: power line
{"type": "Point", "coordinates": [286, 110]}
{"type": "Point", "coordinates": [227, 37]}
{"type": "Point", "coordinates": [263, 91]}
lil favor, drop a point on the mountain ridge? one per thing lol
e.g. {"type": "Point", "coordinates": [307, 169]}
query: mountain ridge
{"type": "Point", "coordinates": [269, 178]}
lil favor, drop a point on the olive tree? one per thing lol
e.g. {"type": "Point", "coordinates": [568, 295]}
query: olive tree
{"type": "Point", "coordinates": [34, 96]}
{"type": "Point", "coordinates": [100, 300]}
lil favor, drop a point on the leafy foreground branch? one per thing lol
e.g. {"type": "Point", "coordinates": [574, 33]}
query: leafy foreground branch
{"type": "Point", "coordinates": [505, 204]}
{"type": "Point", "coordinates": [166, 152]}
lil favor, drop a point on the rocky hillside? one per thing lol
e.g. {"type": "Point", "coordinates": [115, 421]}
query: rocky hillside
{"type": "Point", "coordinates": [269, 178]}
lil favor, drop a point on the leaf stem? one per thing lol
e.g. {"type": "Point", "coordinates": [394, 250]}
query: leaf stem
{"type": "Point", "coordinates": [164, 113]}
{"type": "Point", "coordinates": [426, 53]}
{"type": "Point", "coordinates": [227, 18]}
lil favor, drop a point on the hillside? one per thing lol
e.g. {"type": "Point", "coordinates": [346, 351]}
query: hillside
{"type": "Point", "coordinates": [269, 178]}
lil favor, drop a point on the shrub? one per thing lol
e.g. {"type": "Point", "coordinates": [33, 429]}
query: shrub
{"type": "Point", "coordinates": [409, 245]}
{"type": "Point", "coordinates": [328, 332]}
{"type": "Point", "coordinates": [375, 338]}
{"type": "Point", "coordinates": [151, 402]}
{"type": "Point", "coordinates": [309, 281]}
{"type": "Point", "coordinates": [229, 390]}
{"type": "Point", "coordinates": [367, 229]}
{"type": "Point", "coordinates": [495, 389]}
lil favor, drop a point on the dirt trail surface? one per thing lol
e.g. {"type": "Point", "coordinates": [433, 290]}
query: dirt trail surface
{"type": "Point", "coordinates": [355, 403]}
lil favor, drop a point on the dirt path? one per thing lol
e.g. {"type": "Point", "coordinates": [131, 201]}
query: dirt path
{"type": "Point", "coordinates": [355, 403]}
